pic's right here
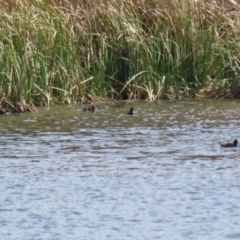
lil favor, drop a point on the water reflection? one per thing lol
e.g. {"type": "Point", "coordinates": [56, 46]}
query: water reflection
{"type": "Point", "coordinates": [160, 174]}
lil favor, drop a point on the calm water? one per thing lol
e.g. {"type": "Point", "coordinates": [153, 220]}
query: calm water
{"type": "Point", "coordinates": [160, 174]}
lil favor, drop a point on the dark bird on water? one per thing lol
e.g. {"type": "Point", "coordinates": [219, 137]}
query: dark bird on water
{"type": "Point", "coordinates": [130, 111]}
{"type": "Point", "coordinates": [230, 144]}
{"type": "Point", "coordinates": [93, 108]}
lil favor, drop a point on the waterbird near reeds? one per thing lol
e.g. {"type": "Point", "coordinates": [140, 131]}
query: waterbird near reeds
{"type": "Point", "coordinates": [93, 108]}
{"type": "Point", "coordinates": [131, 111]}
{"type": "Point", "coordinates": [230, 144]}
{"type": "Point", "coordinates": [5, 111]}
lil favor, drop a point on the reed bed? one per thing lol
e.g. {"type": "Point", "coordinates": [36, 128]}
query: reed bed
{"type": "Point", "coordinates": [91, 50]}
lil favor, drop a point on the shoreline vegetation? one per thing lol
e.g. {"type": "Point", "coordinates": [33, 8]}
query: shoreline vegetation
{"type": "Point", "coordinates": [65, 52]}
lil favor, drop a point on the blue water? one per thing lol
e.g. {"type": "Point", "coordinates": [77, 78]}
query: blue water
{"type": "Point", "coordinates": [160, 174]}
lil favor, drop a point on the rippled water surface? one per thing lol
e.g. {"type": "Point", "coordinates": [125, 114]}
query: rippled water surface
{"type": "Point", "coordinates": [160, 174]}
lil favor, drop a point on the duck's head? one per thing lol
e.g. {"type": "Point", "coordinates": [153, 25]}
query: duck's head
{"type": "Point", "coordinates": [235, 142]}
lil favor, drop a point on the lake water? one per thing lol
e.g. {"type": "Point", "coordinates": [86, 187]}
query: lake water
{"type": "Point", "coordinates": [160, 174]}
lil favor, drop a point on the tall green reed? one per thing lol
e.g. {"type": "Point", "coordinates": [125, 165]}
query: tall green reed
{"type": "Point", "coordinates": [63, 52]}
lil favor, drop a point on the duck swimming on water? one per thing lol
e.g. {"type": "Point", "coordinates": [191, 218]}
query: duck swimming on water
{"type": "Point", "coordinates": [5, 111]}
{"type": "Point", "coordinates": [230, 144]}
{"type": "Point", "coordinates": [93, 108]}
{"type": "Point", "coordinates": [130, 111]}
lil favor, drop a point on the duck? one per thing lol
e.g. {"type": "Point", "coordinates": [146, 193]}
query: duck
{"type": "Point", "coordinates": [93, 108]}
{"type": "Point", "coordinates": [5, 111]}
{"type": "Point", "coordinates": [230, 144]}
{"type": "Point", "coordinates": [131, 111]}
